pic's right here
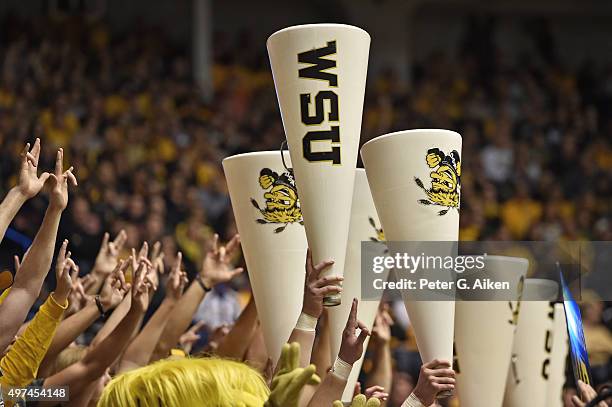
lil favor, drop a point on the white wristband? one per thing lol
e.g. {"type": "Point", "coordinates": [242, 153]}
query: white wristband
{"type": "Point", "coordinates": [306, 323]}
{"type": "Point", "coordinates": [341, 369]}
{"type": "Point", "coordinates": [412, 401]}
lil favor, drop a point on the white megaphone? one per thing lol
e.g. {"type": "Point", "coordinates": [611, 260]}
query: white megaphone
{"type": "Point", "coordinates": [558, 357]}
{"type": "Point", "coordinates": [414, 177]}
{"type": "Point", "coordinates": [267, 210]}
{"type": "Point", "coordinates": [320, 74]}
{"type": "Point", "coordinates": [365, 226]}
{"type": "Point", "coordinates": [528, 376]}
{"type": "Point", "coordinates": [484, 333]}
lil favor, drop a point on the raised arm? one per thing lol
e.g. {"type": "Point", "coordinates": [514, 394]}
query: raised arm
{"type": "Point", "coordinates": [71, 327]}
{"type": "Point", "coordinates": [351, 349]}
{"type": "Point", "coordinates": [235, 344]}
{"type": "Point", "coordinates": [29, 185]}
{"type": "Point", "coordinates": [140, 350]}
{"type": "Point", "coordinates": [37, 260]}
{"type": "Point", "coordinates": [98, 358]}
{"type": "Point", "coordinates": [315, 288]}
{"type": "Point", "coordinates": [381, 374]}
{"type": "Point", "coordinates": [216, 269]}
{"type": "Point", "coordinates": [435, 376]}
{"type": "Point", "coordinates": [20, 365]}
{"type": "Point", "coordinates": [121, 310]}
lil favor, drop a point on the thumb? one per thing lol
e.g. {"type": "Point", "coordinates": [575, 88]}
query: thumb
{"type": "Point", "coordinates": [43, 177]}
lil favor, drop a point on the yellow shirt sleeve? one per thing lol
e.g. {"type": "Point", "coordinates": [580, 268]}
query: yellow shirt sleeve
{"type": "Point", "coordinates": [20, 365]}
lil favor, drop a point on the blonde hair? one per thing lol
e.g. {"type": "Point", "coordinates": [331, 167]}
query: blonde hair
{"type": "Point", "coordinates": [68, 356]}
{"type": "Point", "coordinates": [188, 382]}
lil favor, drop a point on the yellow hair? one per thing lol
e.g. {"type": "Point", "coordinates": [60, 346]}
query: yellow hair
{"type": "Point", "coordinates": [187, 382]}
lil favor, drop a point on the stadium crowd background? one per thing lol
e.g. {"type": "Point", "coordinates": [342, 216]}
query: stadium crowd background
{"type": "Point", "coordinates": [537, 145]}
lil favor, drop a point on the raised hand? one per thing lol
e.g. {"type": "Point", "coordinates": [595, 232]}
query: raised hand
{"type": "Point", "coordinates": [376, 392]}
{"type": "Point", "coordinates": [63, 275]}
{"type": "Point", "coordinates": [115, 287]}
{"type": "Point", "coordinates": [58, 195]}
{"type": "Point", "coordinates": [316, 288]}
{"type": "Point", "coordinates": [30, 183]}
{"type": "Point", "coordinates": [288, 383]}
{"type": "Point", "coordinates": [191, 336]}
{"type": "Point", "coordinates": [142, 286]}
{"type": "Point", "coordinates": [382, 325]}
{"type": "Point", "coordinates": [587, 394]}
{"type": "Point", "coordinates": [177, 279]}
{"type": "Point", "coordinates": [78, 297]}
{"type": "Point", "coordinates": [435, 377]}
{"type": "Point", "coordinates": [351, 347]}
{"type": "Point", "coordinates": [108, 256]}
{"type": "Point", "coordinates": [217, 267]}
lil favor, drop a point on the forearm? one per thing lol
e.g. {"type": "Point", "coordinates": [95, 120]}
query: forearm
{"type": "Point", "coordinates": [68, 330]}
{"type": "Point", "coordinates": [306, 340]}
{"type": "Point", "coordinates": [79, 376]}
{"type": "Point", "coordinates": [9, 207]}
{"type": "Point", "coordinates": [180, 320]}
{"type": "Point", "coordinates": [103, 355]}
{"type": "Point", "coordinates": [115, 318]}
{"type": "Point", "coordinates": [331, 389]}
{"type": "Point", "coordinates": [140, 349]}
{"type": "Point", "coordinates": [37, 260]}
{"type": "Point", "coordinates": [381, 374]}
{"type": "Point", "coordinates": [235, 344]}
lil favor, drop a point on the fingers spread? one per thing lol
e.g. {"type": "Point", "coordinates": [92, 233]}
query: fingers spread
{"type": "Point", "coordinates": [233, 244]}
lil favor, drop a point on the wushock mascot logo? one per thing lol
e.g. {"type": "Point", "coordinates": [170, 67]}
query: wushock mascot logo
{"type": "Point", "coordinates": [445, 180]}
{"type": "Point", "coordinates": [282, 204]}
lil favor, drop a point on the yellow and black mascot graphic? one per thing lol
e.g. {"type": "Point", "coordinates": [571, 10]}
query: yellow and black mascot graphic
{"type": "Point", "coordinates": [282, 204]}
{"type": "Point", "coordinates": [445, 180]}
{"type": "Point", "coordinates": [380, 234]}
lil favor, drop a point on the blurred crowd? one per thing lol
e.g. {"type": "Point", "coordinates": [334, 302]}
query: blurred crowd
{"type": "Point", "coordinates": [147, 147]}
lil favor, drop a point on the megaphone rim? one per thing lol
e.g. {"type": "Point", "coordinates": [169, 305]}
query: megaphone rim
{"type": "Point", "coordinates": [408, 133]}
{"type": "Point", "coordinates": [509, 259]}
{"type": "Point", "coordinates": [252, 154]}
{"type": "Point", "coordinates": [316, 26]}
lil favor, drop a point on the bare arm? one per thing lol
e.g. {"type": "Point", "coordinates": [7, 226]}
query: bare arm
{"type": "Point", "coordinates": [70, 328]}
{"type": "Point", "coordinates": [140, 350]}
{"type": "Point", "coordinates": [121, 310]}
{"type": "Point", "coordinates": [99, 357]}
{"type": "Point", "coordinates": [351, 349]}
{"type": "Point", "coordinates": [9, 207]}
{"type": "Point", "coordinates": [315, 289]}
{"type": "Point", "coordinates": [381, 374]}
{"type": "Point", "coordinates": [330, 389]}
{"type": "Point", "coordinates": [179, 320]}
{"type": "Point", "coordinates": [235, 344]}
{"type": "Point", "coordinates": [37, 260]}
{"type": "Point", "coordinates": [322, 349]}
{"type": "Point", "coordinates": [215, 269]}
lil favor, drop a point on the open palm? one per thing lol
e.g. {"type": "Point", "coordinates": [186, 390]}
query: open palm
{"type": "Point", "coordinates": [217, 267]}
{"type": "Point", "coordinates": [30, 183]}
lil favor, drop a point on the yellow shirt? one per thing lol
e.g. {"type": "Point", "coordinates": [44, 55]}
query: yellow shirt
{"type": "Point", "coordinates": [520, 215]}
{"type": "Point", "coordinates": [20, 365]}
